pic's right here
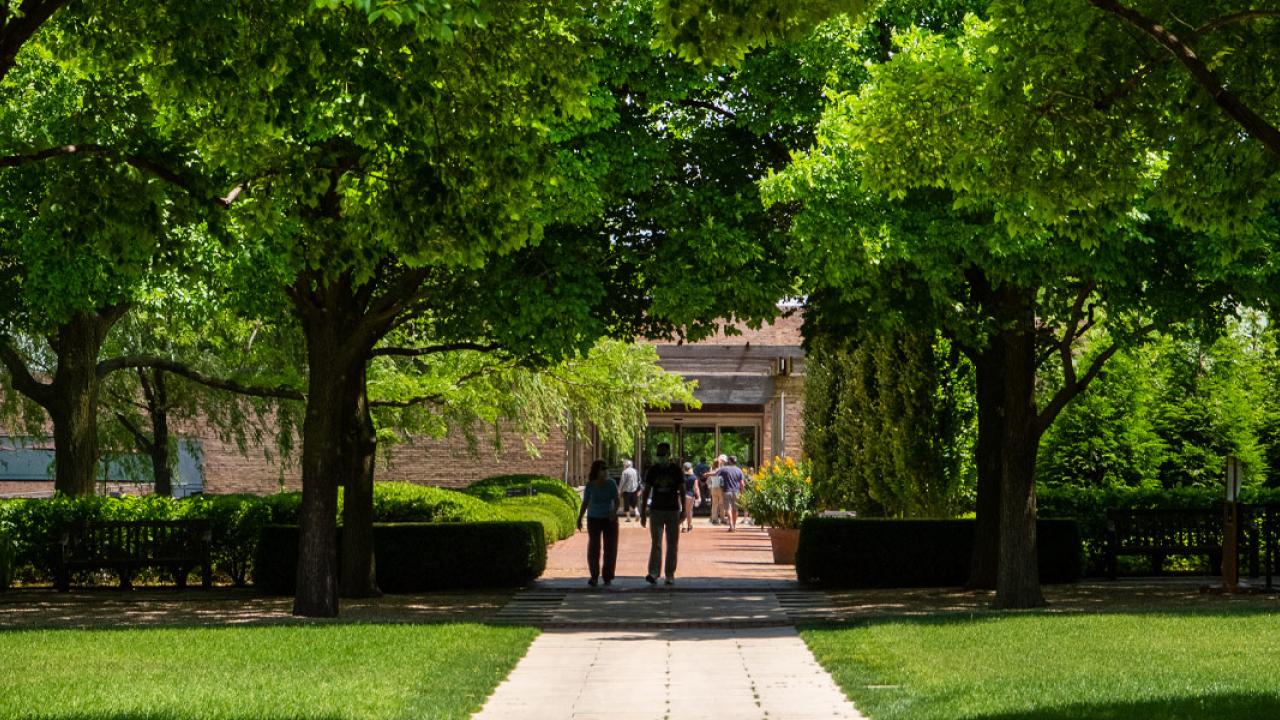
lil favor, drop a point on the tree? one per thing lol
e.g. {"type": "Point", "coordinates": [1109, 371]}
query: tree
{"type": "Point", "coordinates": [79, 237]}
{"type": "Point", "coordinates": [887, 422]}
{"type": "Point", "coordinates": [937, 192]}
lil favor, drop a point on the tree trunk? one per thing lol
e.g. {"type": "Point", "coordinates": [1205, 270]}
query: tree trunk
{"type": "Point", "coordinates": [359, 569]}
{"type": "Point", "coordinates": [989, 367]}
{"type": "Point", "coordinates": [157, 394]}
{"type": "Point", "coordinates": [335, 379]}
{"type": "Point", "coordinates": [1018, 574]}
{"type": "Point", "coordinates": [73, 399]}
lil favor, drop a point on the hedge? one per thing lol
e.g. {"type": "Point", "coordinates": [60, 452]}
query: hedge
{"type": "Point", "coordinates": [857, 553]}
{"type": "Point", "coordinates": [555, 505]}
{"type": "Point", "coordinates": [36, 525]}
{"type": "Point", "coordinates": [6, 560]}
{"type": "Point", "coordinates": [1090, 505]}
{"type": "Point", "coordinates": [416, 557]}
{"type": "Point", "coordinates": [495, 488]}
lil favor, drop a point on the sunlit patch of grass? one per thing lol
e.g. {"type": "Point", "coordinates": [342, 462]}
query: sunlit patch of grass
{"type": "Point", "coordinates": [276, 672]}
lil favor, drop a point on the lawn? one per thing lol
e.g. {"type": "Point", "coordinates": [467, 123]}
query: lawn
{"type": "Point", "coordinates": [327, 672]}
{"type": "Point", "coordinates": [1130, 666]}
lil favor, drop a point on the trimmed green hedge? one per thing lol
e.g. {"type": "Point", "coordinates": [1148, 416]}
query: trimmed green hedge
{"type": "Point", "coordinates": [416, 557]}
{"type": "Point", "coordinates": [36, 525]}
{"type": "Point", "coordinates": [857, 553]}
{"type": "Point", "coordinates": [1090, 505]}
{"type": "Point", "coordinates": [6, 560]}
{"type": "Point", "coordinates": [555, 505]}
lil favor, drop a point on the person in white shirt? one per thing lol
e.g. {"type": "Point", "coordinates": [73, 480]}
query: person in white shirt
{"type": "Point", "coordinates": [630, 488]}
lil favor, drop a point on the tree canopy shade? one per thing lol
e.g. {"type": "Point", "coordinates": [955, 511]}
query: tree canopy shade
{"type": "Point", "coordinates": [82, 235]}
{"type": "Point", "coordinates": [940, 193]}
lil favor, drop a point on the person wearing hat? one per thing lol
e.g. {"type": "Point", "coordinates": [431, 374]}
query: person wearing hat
{"type": "Point", "coordinates": [717, 492]}
{"type": "Point", "coordinates": [665, 488]}
{"type": "Point", "coordinates": [692, 496]}
{"type": "Point", "coordinates": [731, 482]}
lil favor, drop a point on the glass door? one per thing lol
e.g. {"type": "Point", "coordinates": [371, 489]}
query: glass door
{"type": "Point", "coordinates": [697, 444]}
{"type": "Point", "coordinates": [741, 443]}
{"type": "Point", "coordinates": [653, 436]}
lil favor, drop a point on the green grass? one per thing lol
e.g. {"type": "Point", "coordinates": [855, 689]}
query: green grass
{"type": "Point", "coordinates": [1132, 666]}
{"type": "Point", "coordinates": [270, 673]}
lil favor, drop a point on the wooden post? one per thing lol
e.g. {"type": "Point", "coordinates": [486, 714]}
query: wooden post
{"type": "Point", "coordinates": [1231, 527]}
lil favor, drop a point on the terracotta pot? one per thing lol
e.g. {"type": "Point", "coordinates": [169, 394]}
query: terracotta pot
{"type": "Point", "coordinates": [784, 541]}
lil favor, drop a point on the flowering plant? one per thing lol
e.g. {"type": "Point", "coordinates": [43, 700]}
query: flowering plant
{"type": "Point", "coordinates": [780, 494]}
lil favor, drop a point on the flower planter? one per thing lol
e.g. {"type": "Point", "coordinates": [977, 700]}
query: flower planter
{"type": "Point", "coordinates": [784, 541]}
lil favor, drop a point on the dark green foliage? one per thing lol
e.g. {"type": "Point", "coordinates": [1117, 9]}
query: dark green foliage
{"type": "Point", "coordinates": [237, 520]}
{"type": "Point", "coordinates": [1169, 413]}
{"type": "Point", "coordinates": [6, 560]}
{"type": "Point", "coordinates": [846, 552]}
{"type": "Point", "coordinates": [1089, 506]}
{"type": "Point", "coordinates": [37, 526]}
{"type": "Point", "coordinates": [416, 557]}
{"type": "Point", "coordinates": [888, 423]}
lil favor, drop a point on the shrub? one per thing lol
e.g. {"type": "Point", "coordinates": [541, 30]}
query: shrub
{"type": "Point", "coordinates": [236, 522]}
{"type": "Point", "coordinates": [555, 506]}
{"type": "Point", "coordinates": [495, 488]}
{"type": "Point", "coordinates": [856, 553]}
{"type": "Point", "coordinates": [416, 557]}
{"type": "Point", "coordinates": [1090, 505]}
{"type": "Point", "coordinates": [6, 560]}
{"type": "Point", "coordinates": [780, 495]}
{"type": "Point", "coordinates": [406, 502]}
{"type": "Point", "coordinates": [557, 519]}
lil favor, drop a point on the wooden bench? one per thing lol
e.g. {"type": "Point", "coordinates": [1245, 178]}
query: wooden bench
{"type": "Point", "coordinates": [127, 546]}
{"type": "Point", "coordinates": [1158, 534]}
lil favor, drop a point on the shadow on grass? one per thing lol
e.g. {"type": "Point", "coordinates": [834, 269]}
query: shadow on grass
{"type": "Point", "coordinates": [1215, 707]}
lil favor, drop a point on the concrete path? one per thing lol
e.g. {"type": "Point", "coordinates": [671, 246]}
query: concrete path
{"type": "Point", "coordinates": [667, 674]}
{"type": "Point", "coordinates": [719, 644]}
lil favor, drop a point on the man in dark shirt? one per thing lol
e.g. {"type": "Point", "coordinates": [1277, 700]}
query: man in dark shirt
{"type": "Point", "coordinates": [731, 479]}
{"type": "Point", "coordinates": [664, 484]}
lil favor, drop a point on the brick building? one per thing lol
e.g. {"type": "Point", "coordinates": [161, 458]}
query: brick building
{"type": "Point", "coordinates": [750, 386]}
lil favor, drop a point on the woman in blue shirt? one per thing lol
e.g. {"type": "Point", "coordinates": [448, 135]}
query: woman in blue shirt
{"type": "Point", "coordinates": [600, 501]}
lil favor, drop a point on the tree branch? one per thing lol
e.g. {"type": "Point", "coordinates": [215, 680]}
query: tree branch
{"type": "Point", "coordinates": [20, 375]}
{"type": "Point", "coordinates": [18, 27]}
{"type": "Point", "coordinates": [1073, 387]}
{"type": "Point", "coordinates": [282, 392]}
{"type": "Point", "coordinates": [139, 437]}
{"type": "Point", "coordinates": [144, 164]}
{"type": "Point", "coordinates": [434, 349]}
{"type": "Point", "coordinates": [1253, 124]}
{"type": "Point", "coordinates": [1131, 83]}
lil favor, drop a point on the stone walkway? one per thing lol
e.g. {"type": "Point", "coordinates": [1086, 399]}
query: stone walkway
{"type": "Point", "coordinates": [719, 644]}
{"type": "Point", "coordinates": [720, 674]}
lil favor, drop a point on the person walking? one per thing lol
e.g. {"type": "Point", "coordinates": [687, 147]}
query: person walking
{"type": "Point", "coordinates": [630, 487]}
{"type": "Point", "coordinates": [717, 492]}
{"type": "Point", "coordinates": [665, 487]}
{"type": "Point", "coordinates": [692, 496]}
{"type": "Point", "coordinates": [731, 481]}
{"type": "Point", "coordinates": [600, 506]}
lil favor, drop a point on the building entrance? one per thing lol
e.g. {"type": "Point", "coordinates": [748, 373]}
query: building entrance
{"type": "Point", "coordinates": [703, 440]}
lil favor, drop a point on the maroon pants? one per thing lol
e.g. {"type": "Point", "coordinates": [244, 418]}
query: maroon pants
{"type": "Point", "coordinates": [606, 528]}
